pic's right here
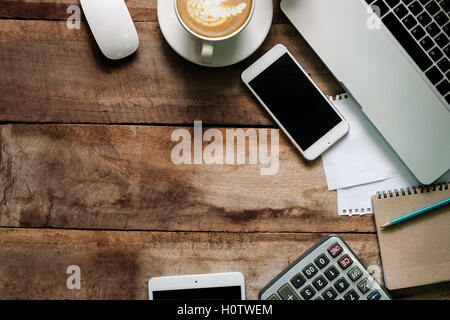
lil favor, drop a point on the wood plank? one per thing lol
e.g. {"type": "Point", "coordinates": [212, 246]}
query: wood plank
{"type": "Point", "coordinates": [53, 74]}
{"type": "Point", "coordinates": [122, 177]}
{"type": "Point", "coordinates": [117, 264]}
{"type": "Point", "coordinates": [140, 10]}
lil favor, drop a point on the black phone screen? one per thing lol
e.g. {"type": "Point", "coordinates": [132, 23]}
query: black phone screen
{"type": "Point", "coordinates": [295, 101]}
{"type": "Point", "coordinates": [215, 293]}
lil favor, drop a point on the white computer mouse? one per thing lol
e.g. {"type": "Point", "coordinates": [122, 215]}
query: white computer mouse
{"type": "Point", "coordinates": [112, 27]}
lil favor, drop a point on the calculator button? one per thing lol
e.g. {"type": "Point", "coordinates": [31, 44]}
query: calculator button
{"type": "Point", "coordinates": [365, 285]}
{"type": "Point", "coordinates": [298, 281]}
{"type": "Point", "coordinates": [308, 292]}
{"type": "Point", "coordinates": [273, 297]}
{"type": "Point", "coordinates": [355, 273]}
{"type": "Point", "coordinates": [286, 293]}
{"type": "Point", "coordinates": [319, 283]}
{"type": "Point", "coordinates": [351, 295]}
{"type": "Point", "coordinates": [309, 271]}
{"type": "Point", "coordinates": [374, 295]}
{"type": "Point", "coordinates": [331, 273]}
{"type": "Point", "coordinates": [321, 261]}
{"type": "Point", "coordinates": [329, 294]}
{"type": "Point", "coordinates": [318, 298]}
{"type": "Point", "coordinates": [345, 261]}
{"type": "Point", "coordinates": [341, 285]}
{"type": "Point", "coordinates": [335, 249]}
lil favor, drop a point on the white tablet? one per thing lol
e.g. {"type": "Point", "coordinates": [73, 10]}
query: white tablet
{"type": "Point", "coordinates": [214, 286]}
{"type": "Point", "coordinates": [295, 102]}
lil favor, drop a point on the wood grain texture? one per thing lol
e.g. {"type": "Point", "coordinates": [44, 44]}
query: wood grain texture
{"type": "Point", "coordinates": [117, 264]}
{"type": "Point", "coordinates": [122, 177]}
{"type": "Point", "coordinates": [140, 10]}
{"type": "Point", "coordinates": [53, 74]}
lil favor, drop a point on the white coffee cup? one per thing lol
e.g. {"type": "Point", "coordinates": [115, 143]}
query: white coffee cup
{"type": "Point", "coordinates": [207, 49]}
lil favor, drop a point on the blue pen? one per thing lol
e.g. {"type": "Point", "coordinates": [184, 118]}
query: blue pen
{"type": "Point", "coordinates": [416, 213]}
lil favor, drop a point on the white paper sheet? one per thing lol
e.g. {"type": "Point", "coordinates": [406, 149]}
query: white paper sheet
{"type": "Point", "coordinates": [357, 200]}
{"type": "Point", "coordinates": [363, 155]}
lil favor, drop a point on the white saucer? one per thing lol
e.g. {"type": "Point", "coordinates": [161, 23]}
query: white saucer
{"type": "Point", "coordinates": [226, 52]}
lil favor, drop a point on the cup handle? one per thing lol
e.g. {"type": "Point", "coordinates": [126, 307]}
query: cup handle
{"type": "Point", "coordinates": [207, 53]}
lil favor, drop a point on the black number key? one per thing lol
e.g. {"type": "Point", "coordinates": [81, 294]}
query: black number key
{"type": "Point", "coordinates": [341, 285]}
{"type": "Point", "coordinates": [447, 29]}
{"type": "Point", "coordinates": [331, 273]}
{"type": "Point", "coordinates": [309, 271]}
{"type": "Point", "coordinates": [407, 41]}
{"type": "Point", "coordinates": [329, 294]}
{"type": "Point", "coordinates": [351, 295]}
{"type": "Point", "coordinates": [319, 283]}
{"type": "Point", "coordinates": [321, 261]}
{"type": "Point", "coordinates": [308, 292]}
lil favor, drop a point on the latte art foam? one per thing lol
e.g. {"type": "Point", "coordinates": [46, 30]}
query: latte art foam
{"type": "Point", "coordinates": [214, 18]}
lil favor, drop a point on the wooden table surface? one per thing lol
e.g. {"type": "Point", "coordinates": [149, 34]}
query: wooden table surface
{"type": "Point", "coordinates": [86, 176]}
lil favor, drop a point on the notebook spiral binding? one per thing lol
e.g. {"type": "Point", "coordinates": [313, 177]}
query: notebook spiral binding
{"type": "Point", "coordinates": [412, 190]}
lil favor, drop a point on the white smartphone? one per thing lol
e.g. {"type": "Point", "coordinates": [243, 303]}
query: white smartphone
{"type": "Point", "coordinates": [295, 102]}
{"type": "Point", "coordinates": [214, 286]}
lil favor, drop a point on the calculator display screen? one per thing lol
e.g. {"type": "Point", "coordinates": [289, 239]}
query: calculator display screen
{"type": "Point", "coordinates": [216, 293]}
{"type": "Point", "coordinates": [295, 102]}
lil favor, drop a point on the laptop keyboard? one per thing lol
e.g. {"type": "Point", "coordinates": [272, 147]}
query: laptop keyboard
{"type": "Point", "coordinates": [422, 27]}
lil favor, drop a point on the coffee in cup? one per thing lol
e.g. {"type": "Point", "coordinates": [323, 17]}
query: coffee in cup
{"type": "Point", "coordinates": [214, 19]}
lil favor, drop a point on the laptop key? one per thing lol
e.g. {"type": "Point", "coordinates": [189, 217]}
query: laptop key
{"type": "Point", "coordinates": [415, 8]}
{"type": "Point", "coordinates": [441, 18]}
{"type": "Point", "coordinates": [435, 54]}
{"type": "Point", "coordinates": [426, 43]}
{"type": "Point", "coordinates": [433, 29]}
{"type": "Point", "coordinates": [444, 65]}
{"type": "Point", "coordinates": [443, 87]}
{"type": "Point", "coordinates": [392, 3]}
{"type": "Point", "coordinates": [407, 41]}
{"type": "Point", "coordinates": [445, 4]}
{"type": "Point", "coordinates": [441, 40]}
{"type": "Point", "coordinates": [447, 29]}
{"type": "Point", "coordinates": [409, 21]}
{"type": "Point", "coordinates": [424, 18]}
{"type": "Point", "coordinates": [418, 32]}
{"type": "Point", "coordinates": [432, 8]}
{"type": "Point", "coordinates": [401, 11]}
{"type": "Point", "coordinates": [434, 75]}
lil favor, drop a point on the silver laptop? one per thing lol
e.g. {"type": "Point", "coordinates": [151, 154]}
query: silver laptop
{"type": "Point", "coordinates": [392, 56]}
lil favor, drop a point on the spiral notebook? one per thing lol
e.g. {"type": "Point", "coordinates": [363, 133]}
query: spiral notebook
{"type": "Point", "coordinates": [416, 252]}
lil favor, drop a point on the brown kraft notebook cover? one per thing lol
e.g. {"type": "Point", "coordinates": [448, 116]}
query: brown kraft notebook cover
{"type": "Point", "coordinates": [415, 252]}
